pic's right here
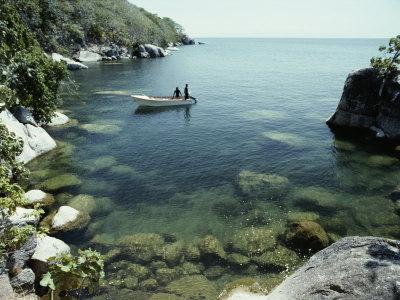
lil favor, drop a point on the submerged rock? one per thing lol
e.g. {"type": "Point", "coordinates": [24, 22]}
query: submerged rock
{"type": "Point", "coordinates": [316, 198]}
{"type": "Point", "coordinates": [166, 275]}
{"type": "Point", "coordinates": [211, 246]}
{"type": "Point", "coordinates": [253, 241]}
{"type": "Point", "coordinates": [262, 185]}
{"type": "Point", "coordinates": [297, 216]}
{"type": "Point", "coordinates": [237, 259]}
{"type": "Point", "coordinates": [280, 258]}
{"type": "Point", "coordinates": [361, 107]}
{"type": "Point", "coordinates": [306, 236]}
{"type": "Point", "coordinates": [142, 247]}
{"type": "Point", "coordinates": [60, 182]}
{"type": "Point", "coordinates": [173, 254]}
{"type": "Point", "coordinates": [193, 287]}
{"type": "Point", "coordinates": [353, 268]}
{"type": "Point", "coordinates": [149, 284]}
{"type": "Point", "coordinates": [91, 205]}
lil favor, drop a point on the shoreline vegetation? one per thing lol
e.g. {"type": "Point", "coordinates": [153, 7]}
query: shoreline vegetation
{"type": "Point", "coordinates": [35, 262]}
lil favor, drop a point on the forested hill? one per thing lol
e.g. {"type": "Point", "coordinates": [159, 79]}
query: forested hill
{"type": "Point", "coordinates": [64, 26]}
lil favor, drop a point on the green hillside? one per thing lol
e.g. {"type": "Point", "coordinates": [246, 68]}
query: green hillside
{"type": "Point", "coordinates": [64, 26]}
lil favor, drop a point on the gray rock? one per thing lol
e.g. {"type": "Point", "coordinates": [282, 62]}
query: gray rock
{"type": "Point", "coordinates": [6, 290]}
{"type": "Point", "coordinates": [24, 116]}
{"type": "Point", "coordinates": [24, 280]}
{"type": "Point", "coordinates": [88, 56]}
{"type": "Point", "coordinates": [361, 107]}
{"type": "Point", "coordinates": [24, 216]}
{"type": "Point", "coordinates": [154, 51]}
{"type": "Point", "coordinates": [352, 268]}
{"type": "Point", "coordinates": [19, 258]}
{"type": "Point", "coordinates": [46, 247]}
{"type": "Point", "coordinates": [36, 140]}
{"type": "Point", "coordinates": [72, 65]}
{"type": "Point", "coordinates": [186, 40]}
{"type": "Point", "coordinates": [142, 53]}
{"type": "Point", "coordinates": [58, 119]}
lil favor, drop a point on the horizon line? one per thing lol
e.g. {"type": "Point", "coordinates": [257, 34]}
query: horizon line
{"type": "Point", "coordinates": [286, 37]}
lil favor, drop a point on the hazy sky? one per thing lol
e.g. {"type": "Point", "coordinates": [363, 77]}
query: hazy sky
{"type": "Point", "coordinates": [281, 18]}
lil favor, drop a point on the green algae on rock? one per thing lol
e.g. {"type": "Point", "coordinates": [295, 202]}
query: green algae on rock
{"type": "Point", "coordinates": [253, 241]}
{"type": "Point", "coordinates": [237, 259]}
{"type": "Point", "coordinates": [210, 245]}
{"type": "Point", "coordinates": [166, 275]}
{"type": "Point", "coordinates": [280, 258]}
{"type": "Point", "coordinates": [317, 197]}
{"type": "Point", "coordinates": [164, 296]}
{"type": "Point", "coordinates": [306, 236]}
{"type": "Point", "coordinates": [173, 254]}
{"type": "Point", "coordinates": [90, 204]}
{"type": "Point", "coordinates": [60, 182]}
{"type": "Point", "coordinates": [193, 287]}
{"type": "Point", "coordinates": [262, 185]}
{"type": "Point", "coordinates": [149, 284]}
{"type": "Point", "coordinates": [142, 247]}
{"type": "Point", "coordinates": [101, 128]}
{"type": "Point", "coordinates": [297, 216]}
{"type": "Point", "coordinates": [188, 268]}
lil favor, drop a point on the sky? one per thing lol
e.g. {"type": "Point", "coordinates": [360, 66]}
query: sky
{"type": "Point", "coordinates": [281, 18]}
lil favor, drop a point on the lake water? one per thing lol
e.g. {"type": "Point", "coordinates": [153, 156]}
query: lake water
{"type": "Point", "coordinates": [175, 172]}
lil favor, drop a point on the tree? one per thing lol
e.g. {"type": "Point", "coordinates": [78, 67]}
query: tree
{"type": "Point", "coordinates": [388, 64]}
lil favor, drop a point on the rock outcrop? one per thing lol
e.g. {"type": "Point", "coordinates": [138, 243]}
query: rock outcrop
{"type": "Point", "coordinates": [36, 140]}
{"type": "Point", "coordinates": [352, 268]}
{"type": "Point", "coordinates": [88, 56]}
{"type": "Point", "coordinates": [150, 51]}
{"type": "Point", "coordinates": [186, 40]}
{"type": "Point", "coordinates": [72, 65]}
{"type": "Point", "coordinates": [39, 197]}
{"type": "Point", "coordinates": [69, 219]}
{"type": "Point", "coordinates": [58, 119]}
{"type": "Point", "coordinates": [361, 107]}
{"type": "Point", "coordinates": [46, 247]}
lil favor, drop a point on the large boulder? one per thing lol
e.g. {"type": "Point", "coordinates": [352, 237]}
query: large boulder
{"type": "Point", "coordinates": [34, 197]}
{"type": "Point", "coordinates": [88, 56]}
{"type": "Point", "coordinates": [6, 290]}
{"type": "Point", "coordinates": [361, 107]}
{"type": "Point", "coordinates": [71, 64]}
{"type": "Point", "coordinates": [186, 40]}
{"type": "Point", "coordinates": [46, 247]}
{"type": "Point", "coordinates": [352, 268]}
{"type": "Point", "coordinates": [58, 119]}
{"type": "Point", "coordinates": [24, 280]}
{"type": "Point", "coordinates": [69, 219]}
{"type": "Point", "coordinates": [154, 51]}
{"type": "Point", "coordinates": [36, 140]}
{"type": "Point", "coordinates": [306, 236]}
{"type": "Point", "coordinates": [24, 216]}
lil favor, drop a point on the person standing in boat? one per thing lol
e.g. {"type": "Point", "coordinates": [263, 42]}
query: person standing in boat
{"type": "Point", "coordinates": [177, 93]}
{"type": "Point", "coordinates": [186, 92]}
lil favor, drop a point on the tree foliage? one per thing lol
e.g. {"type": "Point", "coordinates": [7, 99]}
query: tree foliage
{"type": "Point", "coordinates": [27, 76]}
{"type": "Point", "coordinates": [61, 26]}
{"type": "Point", "coordinates": [388, 64]}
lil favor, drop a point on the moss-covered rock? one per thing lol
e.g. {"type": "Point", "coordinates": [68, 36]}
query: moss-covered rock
{"type": "Point", "coordinates": [90, 204]}
{"type": "Point", "coordinates": [211, 246]}
{"type": "Point", "coordinates": [174, 253]}
{"type": "Point", "coordinates": [101, 163]}
{"type": "Point", "coordinates": [256, 217]}
{"type": "Point", "coordinates": [164, 296]}
{"type": "Point", "coordinates": [237, 259]}
{"type": "Point", "coordinates": [214, 272]}
{"type": "Point", "coordinates": [142, 247]}
{"type": "Point", "coordinates": [253, 241]}
{"type": "Point", "coordinates": [149, 285]}
{"type": "Point", "coordinates": [141, 272]}
{"type": "Point", "coordinates": [111, 255]}
{"type": "Point", "coordinates": [130, 282]}
{"type": "Point", "coordinates": [262, 185]}
{"type": "Point", "coordinates": [298, 216]}
{"type": "Point", "coordinates": [103, 240]}
{"type": "Point", "coordinates": [65, 219]}
{"type": "Point", "coordinates": [188, 268]}
{"type": "Point", "coordinates": [254, 285]}
{"type": "Point", "coordinates": [193, 287]}
{"type": "Point", "coordinates": [60, 182]}
{"type": "Point", "coordinates": [192, 252]}
{"type": "Point", "coordinates": [101, 128]}
{"type": "Point", "coordinates": [316, 197]}
{"type": "Point", "coordinates": [157, 264]}
{"type": "Point", "coordinates": [165, 276]}
{"type": "Point", "coordinates": [306, 236]}
{"type": "Point", "coordinates": [280, 258]}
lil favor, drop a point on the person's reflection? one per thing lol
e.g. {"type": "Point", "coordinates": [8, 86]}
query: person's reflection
{"type": "Point", "coordinates": [187, 115]}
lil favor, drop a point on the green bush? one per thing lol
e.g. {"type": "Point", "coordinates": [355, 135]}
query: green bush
{"type": "Point", "coordinates": [32, 78]}
{"type": "Point", "coordinates": [388, 64]}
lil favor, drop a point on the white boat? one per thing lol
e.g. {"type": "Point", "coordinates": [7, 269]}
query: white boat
{"type": "Point", "coordinates": [154, 101]}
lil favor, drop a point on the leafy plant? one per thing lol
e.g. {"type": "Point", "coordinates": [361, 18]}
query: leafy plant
{"type": "Point", "coordinates": [388, 64]}
{"type": "Point", "coordinates": [74, 274]}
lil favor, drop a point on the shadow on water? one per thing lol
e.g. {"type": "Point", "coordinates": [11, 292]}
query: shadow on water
{"type": "Point", "coordinates": [157, 110]}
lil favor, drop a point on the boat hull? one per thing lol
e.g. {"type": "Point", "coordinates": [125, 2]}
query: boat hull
{"type": "Point", "coordinates": [145, 101]}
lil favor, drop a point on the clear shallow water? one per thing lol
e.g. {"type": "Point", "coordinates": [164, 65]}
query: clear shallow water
{"type": "Point", "coordinates": [262, 108]}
